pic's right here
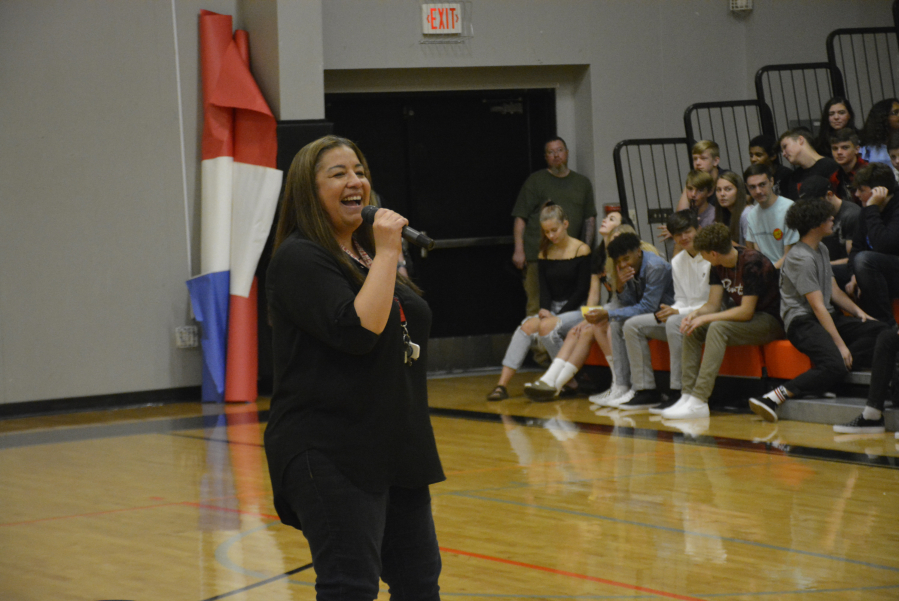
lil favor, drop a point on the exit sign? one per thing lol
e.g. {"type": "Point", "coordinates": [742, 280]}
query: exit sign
{"type": "Point", "coordinates": [442, 18]}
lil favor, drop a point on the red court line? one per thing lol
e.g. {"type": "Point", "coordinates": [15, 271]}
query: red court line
{"type": "Point", "coordinates": [531, 566]}
{"type": "Point", "coordinates": [217, 508]}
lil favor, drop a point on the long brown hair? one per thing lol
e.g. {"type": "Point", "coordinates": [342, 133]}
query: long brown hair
{"type": "Point", "coordinates": [302, 211]}
{"type": "Point", "coordinates": [736, 210]}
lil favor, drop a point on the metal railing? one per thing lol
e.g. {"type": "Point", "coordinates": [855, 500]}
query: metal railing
{"type": "Point", "coordinates": [650, 174]}
{"type": "Point", "coordinates": [731, 124]}
{"type": "Point", "coordinates": [797, 92]}
{"type": "Point", "coordinates": [868, 58]}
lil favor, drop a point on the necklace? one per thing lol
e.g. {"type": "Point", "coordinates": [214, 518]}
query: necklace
{"type": "Point", "coordinates": [363, 258]}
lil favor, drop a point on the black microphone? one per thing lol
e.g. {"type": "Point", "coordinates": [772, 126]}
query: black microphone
{"type": "Point", "coordinates": [413, 236]}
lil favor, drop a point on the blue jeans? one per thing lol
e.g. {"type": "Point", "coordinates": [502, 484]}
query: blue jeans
{"type": "Point", "coordinates": [357, 537]}
{"type": "Point", "coordinates": [877, 275]}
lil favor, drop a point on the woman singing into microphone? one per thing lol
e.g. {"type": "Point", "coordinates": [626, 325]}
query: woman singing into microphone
{"type": "Point", "coordinates": [349, 441]}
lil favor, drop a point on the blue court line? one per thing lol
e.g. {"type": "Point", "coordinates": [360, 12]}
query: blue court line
{"type": "Point", "coordinates": [221, 555]}
{"type": "Point", "coordinates": [679, 531]}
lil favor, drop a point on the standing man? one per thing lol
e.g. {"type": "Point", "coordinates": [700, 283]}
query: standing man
{"type": "Point", "coordinates": [559, 184]}
{"type": "Point", "coordinates": [766, 229]}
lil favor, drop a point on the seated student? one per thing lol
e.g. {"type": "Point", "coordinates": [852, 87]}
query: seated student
{"type": "Point", "coordinates": [883, 119]}
{"type": "Point", "coordinates": [874, 256]}
{"type": "Point", "coordinates": [765, 229]}
{"type": "Point", "coordinates": [837, 115]}
{"type": "Point", "coordinates": [564, 273]}
{"type": "Point", "coordinates": [886, 349]}
{"type": "Point", "coordinates": [644, 285]}
{"type": "Point", "coordinates": [844, 146]}
{"type": "Point", "coordinates": [732, 210]}
{"type": "Point", "coordinates": [700, 187]}
{"type": "Point", "coordinates": [834, 342]}
{"type": "Point", "coordinates": [747, 281]}
{"type": "Point", "coordinates": [797, 148]}
{"type": "Point", "coordinates": [765, 150]}
{"type": "Point", "coordinates": [706, 158]}
{"type": "Point", "coordinates": [576, 348]}
{"type": "Point", "coordinates": [690, 273]}
{"type": "Point", "coordinates": [846, 215]}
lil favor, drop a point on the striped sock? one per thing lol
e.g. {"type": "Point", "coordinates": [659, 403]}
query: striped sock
{"type": "Point", "coordinates": [778, 395]}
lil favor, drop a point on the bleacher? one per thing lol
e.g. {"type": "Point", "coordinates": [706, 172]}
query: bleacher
{"type": "Point", "coordinates": [861, 66]}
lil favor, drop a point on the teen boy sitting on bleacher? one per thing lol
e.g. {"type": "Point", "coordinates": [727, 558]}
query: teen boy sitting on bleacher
{"type": "Point", "coordinates": [690, 273]}
{"type": "Point", "coordinates": [644, 284]}
{"type": "Point", "coordinates": [875, 248]}
{"type": "Point", "coordinates": [844, 146]}
{"type": "Point", "coordinates": [766, 230]}
{"type": "Point", "coordinates": [706, 159]}
{"type": "Point", "coordinates": [748, 282]}
{"type": "Point", "coordinates": [834, 342]}
{"type": "Point", "coordinates": [797, 147]}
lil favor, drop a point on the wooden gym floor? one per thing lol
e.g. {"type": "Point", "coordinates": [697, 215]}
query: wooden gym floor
{"type": "Point", "coordinates": [542, 501]}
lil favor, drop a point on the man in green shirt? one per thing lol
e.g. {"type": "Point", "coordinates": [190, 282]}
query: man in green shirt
{"type": "Point", "coordinates": [559, 184]}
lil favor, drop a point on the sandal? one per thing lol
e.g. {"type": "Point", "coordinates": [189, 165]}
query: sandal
{"type": "Point", "coordinates": [498, 394]}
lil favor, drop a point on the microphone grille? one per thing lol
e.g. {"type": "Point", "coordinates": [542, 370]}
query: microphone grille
{"type": "Point", "coordinates": [368, 213]}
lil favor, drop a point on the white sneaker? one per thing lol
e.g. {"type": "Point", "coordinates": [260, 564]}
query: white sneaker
{"type": "Point", "coordinates": [679, 403]}
{"type": "Point", "coordinates": [601, 398]}
{"type": "Point", "coordinates": [688, 408]}
{"type": "Point", "coordinates": [620, 400]}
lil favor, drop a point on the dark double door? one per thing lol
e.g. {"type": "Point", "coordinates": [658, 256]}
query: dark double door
{"type": "Point", "coordinates": [453, 163]}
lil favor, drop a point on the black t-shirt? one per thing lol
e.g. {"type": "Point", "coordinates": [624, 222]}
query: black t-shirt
{"type": "Point", "coordinates": [753, 275]}
{"type": "Point", "coordinates": [340, 388]}
{"type": "Point", "coordinates": [844, 225]}
{"type": "Point", "coordinates": [825, 167]}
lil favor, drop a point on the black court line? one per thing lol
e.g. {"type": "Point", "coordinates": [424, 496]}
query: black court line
{"type": "Point", "coordinates": [216, 412]}
{"type": "Point", "coordinates": [720, 442]}
{"type": "Point", "coordinates": [222, 440]}
{"type": "Point", "coordinates": [260, 583]}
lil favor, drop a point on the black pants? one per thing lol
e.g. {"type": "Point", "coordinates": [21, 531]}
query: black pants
{"type": "Point", "coordinates": [357, 536]}
{"type": "Point", "coordinates": [809, 336]}
{"type": "Point", "coordinates": [885, 350]}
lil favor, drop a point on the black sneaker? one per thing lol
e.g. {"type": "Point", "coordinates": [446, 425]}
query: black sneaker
{"type": "Point", "coordinates": [671, 399]}
{"type": "Point", "coordinates": [764, 408]}
{"type": "Point", "coordinates": [861, 425]}
{"type": "Point", "coordinates": [644, 399]}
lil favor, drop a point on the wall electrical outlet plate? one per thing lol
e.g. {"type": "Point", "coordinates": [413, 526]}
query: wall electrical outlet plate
{"type": "Point", "coordinates": [186, 337]}
{"type": "Point", "coordinates": [659, 215]}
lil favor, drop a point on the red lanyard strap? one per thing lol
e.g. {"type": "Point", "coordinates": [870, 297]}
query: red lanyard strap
{"type": "Point", "coordinates": [402, 313]}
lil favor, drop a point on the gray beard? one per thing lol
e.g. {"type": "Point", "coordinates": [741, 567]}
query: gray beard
{"type": "Point", "coordinates": [560, 171]}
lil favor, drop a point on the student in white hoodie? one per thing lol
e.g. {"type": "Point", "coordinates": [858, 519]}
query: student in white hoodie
{"type": "Point", "coordinates": [690, 273]}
